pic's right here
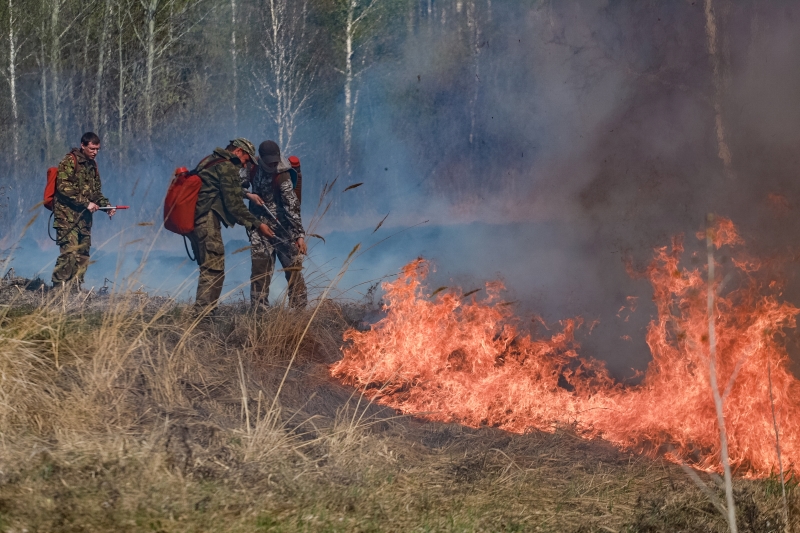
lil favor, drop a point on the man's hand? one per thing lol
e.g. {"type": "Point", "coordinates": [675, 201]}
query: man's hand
{"type": "Point", "coordinates": [255, 198]}
{"type": "Point", "coordinates": [301, 244]}
{"type": "Point", "coordinates": [92, 207]}
{"type": "Point", "coordinates": [264, 230]}
{"type": "Point", "coordinates": [112, 212]}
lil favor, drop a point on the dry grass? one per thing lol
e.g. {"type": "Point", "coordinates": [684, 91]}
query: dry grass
{"type": "Point", "coordinates": [121, 416]}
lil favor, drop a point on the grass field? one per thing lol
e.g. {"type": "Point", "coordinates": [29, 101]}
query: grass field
{"type": "Point", "coordinates": [122, 414]}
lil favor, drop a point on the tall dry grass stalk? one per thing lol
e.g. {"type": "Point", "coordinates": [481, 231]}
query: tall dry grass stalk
{"type": "Point", "coordinates": [712, 343]}
{"type": "Point", "coordinates": [787, 525]}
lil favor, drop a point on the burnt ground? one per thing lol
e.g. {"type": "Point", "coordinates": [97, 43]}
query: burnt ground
{"type": "Point", "coordinates": [546, 481]}
{"type": "Point", "coordinates": [201, 449]}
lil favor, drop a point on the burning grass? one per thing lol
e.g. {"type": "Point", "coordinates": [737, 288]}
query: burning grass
{"type": "Point", "coordinates": [119, 413]}
{"type": "Point", "coordinates": [454, 359]}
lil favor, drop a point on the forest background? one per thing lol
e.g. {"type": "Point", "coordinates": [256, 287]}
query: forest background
{"type": "Point", "coordinates": [532, 108]}
{"type": "Point", "coordinates": [165, 81]}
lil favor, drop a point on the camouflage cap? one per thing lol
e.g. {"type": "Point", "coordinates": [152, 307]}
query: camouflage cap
{"type": "Point", "coordinates": [247, 146]}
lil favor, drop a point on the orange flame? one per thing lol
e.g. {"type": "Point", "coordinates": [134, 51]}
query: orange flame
{"type": "Point", "coordinates": [453, 360]}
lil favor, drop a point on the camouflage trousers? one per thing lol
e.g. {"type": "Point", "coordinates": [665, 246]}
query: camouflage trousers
{"type": "Point", "coordinates": [74, 238]}
{"type": "Point", "coordinates": [262, 256]}
{"type": "Point", "coordinates": [209, 252]}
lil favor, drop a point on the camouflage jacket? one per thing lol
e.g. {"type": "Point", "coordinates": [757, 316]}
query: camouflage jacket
{"type": "Point", "coordinates": [221, 191]}
{"type": "Point", "coordinates": [278, 194]}
{"type": "Point", "coordinates": [75, 188]}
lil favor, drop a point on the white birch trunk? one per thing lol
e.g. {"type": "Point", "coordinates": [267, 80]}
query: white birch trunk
{"type": "Point", "coordinates": [353, 20]}
{"type": "Point", "coordinates": [55, 66]}
{"type": "Point", "coordinates": [12, 84]}
{"type": "Point", "coordinates": [120, 87]}
{"type": "Point", "coordinates": [101, 63]}
{"type": "Point", "coordinates": [86, 95]}
{"type": "Point", "coordinates": [45, 115]}
{"type": "Point", "coordinates": [349, 106]}
{"type": "Point", "coordinates": [276, 17]}
{"type": "Point", "coordinates": [150, 10]}
{"type": "Point", "coordinates": [302, 88]}
{"type": "Point", "coordinates": [234, 68]}
{"type": "Point", "coordinates": [475, 35]}
{"type": "Point", "coordinates": [285, 82]}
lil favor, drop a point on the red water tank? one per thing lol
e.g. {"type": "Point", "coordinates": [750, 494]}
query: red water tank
{"type": "Point", "coordinates": [180, 202]}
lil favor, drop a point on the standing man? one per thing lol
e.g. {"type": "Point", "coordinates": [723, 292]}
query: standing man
{"type": "Point", "coordinates": [274, 201]}
{"type": "Point", "coordinates": [78, 195]}
{"type": "Point", "coordinates": [220, 202]}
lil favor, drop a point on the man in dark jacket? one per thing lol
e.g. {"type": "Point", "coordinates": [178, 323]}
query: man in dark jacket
{"type": "Point", "coordinates": [274, 201]}
{"type": "Point", "coordinates": [78, 195]}
{"type": "Point", "coordinates": [220, 201]}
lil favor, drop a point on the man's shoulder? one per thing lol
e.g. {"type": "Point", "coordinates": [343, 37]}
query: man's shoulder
{"type": "Point", "coordinates": [221, 153]}
{"type": "Point", "coordinates": [68, 162]}
{"type": "Point", "coordinates": [283, 177]}
{"type": "Point", "coordinates": [218, 158]}
{"type": "Point", "coordinates": [70, 158]}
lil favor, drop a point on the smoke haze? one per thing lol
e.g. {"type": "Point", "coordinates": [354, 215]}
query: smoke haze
{"type": "Point", "coordinates": [547, 144]}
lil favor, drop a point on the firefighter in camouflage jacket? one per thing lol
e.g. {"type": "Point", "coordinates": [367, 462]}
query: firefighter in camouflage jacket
{"type": "Point", "coordinates": [274, 202]}
{"type": "Point", "coordinates": [220, 202]}
{"type": "Point", "coordinates": [78, 196]}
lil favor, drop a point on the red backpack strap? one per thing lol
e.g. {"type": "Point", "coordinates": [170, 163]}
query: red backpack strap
{"type": "Point", "coordinates": [75, 169]}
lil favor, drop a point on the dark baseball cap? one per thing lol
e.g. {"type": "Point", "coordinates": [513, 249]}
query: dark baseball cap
{"type": "Point", "coordinates": [269, 152]}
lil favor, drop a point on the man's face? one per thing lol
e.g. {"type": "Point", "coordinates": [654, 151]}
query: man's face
{"type": "Point", "coordinates": [242, 156]}
{"type": "Point", "coordinates": [90, 150]}
{"type": "Point", "coordinates": [272, 168]}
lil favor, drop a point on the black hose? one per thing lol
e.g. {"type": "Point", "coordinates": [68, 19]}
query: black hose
{"type": "Point", "coordinates": [50, 223]}
{"type": "Point", "coordinates": [50, 226]}
{"type": "Point", "coordinates": [187, 249]}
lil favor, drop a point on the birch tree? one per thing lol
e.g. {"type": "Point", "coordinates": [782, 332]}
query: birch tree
{"type": "Point", "coordinates": [164, 26]}
{"type": "Point", "coordinates": [55, 66]}
{"type": "Point", "coordinates": [51, 61]}
{"type": "Point", "coordinates": [11, 74]}
{"type": "Point", "coordinates": [357, 12]}
{"type": "Point", "coordinates": [123, 75]}
{"type": "Point", "coordinates": [120, 81]}
{"type": "Point", "coordinates": [62, 21]}
{"type": "Point", "coordinates": [284, 80]}
{"type": "Point", "coordinates": [56, 39]}
{"type": "Point", "coordinates": [101, 63]}
{"type": "Point", "coordinates": [150, 7]}
{"type": "Point", "coordinates": [473, 23]}
{"type": "Point", "coordinates": [41, 61]}
{"type": "Point", "coordinates": [234, 69]}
